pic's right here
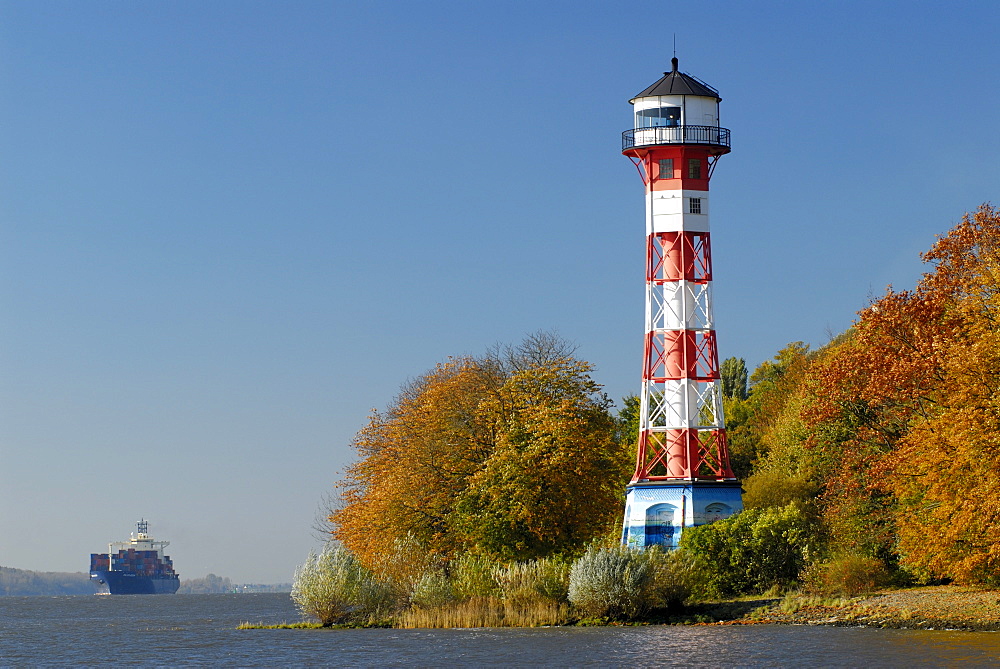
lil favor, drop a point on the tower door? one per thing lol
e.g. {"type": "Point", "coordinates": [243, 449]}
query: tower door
{"type": "Point", "coordinates": [660, 525]}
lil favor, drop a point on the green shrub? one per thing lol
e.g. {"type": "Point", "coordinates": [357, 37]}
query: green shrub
{"type": "Point", "coordinates": [847, 574]}
{"type": "Point", "coordinates": [610, 583]}
{"type": "Point", "coordinates": [773, 487]}
{"type": "Point", "coordinates": [753, 550]}
{"type": "Point", "coordinates": [676, 579]}
{"type": "Point", "coordinates": [433, 589]}
{"type": "Point", "coordinates": [334, 588]}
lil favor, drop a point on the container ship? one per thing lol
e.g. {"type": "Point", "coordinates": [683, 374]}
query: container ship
{"type": "Point", "coordinates": [134, 567]}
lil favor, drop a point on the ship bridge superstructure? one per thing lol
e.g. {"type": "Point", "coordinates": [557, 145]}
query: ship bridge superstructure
{"type": "Point", "coordinates": [140, 540]}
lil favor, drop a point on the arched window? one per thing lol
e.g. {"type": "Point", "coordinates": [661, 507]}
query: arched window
{"type": "Point", "coordinates": [660, 525]}
{"type": "Point", "coordinates": [717, 511]}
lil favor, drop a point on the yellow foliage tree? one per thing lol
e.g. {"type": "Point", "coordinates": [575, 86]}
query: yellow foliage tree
{"type": "Point", "coordinates": [555, 478]}
{"type": "Point", "coordinates": [945, 471]}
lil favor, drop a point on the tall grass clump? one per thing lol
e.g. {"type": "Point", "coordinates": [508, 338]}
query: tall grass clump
{"type": "Point", "coordinates": [486, 612]}
{"type": "Point", "coordinates": [474, 576]}
{"type": "Point", "coordinates": [334, 588]}
{"type": "Point", "coordinates": [433, 590]}
{"type": "Point", "coordinates": [478, 592]}
{"type": "Point", "coordinates": [846, 574]}
{"type": "Point", "coordinates": [541, 580]}
{"type": "Point", "coordinates": [611, 583]}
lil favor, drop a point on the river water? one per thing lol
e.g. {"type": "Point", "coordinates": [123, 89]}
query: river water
{"type": "Point", "coordinates": [199, 630]}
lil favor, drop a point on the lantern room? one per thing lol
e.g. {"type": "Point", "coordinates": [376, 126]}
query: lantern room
{"type": "Point", "coordinates": [677, 109]}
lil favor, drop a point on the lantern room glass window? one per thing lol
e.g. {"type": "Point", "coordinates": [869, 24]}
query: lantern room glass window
{"type": "Point", "coordinates": [660, 117]}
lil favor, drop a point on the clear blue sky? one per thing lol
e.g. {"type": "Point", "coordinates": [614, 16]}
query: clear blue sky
{"type": "Point", "coordinates": [230, 229]}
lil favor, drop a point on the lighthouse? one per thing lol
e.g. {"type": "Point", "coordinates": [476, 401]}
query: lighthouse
{"type": "Point", "coordinates": [682, 474]}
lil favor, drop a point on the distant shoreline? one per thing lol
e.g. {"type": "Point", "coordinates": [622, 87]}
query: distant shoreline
{"type": "Point", "coordinates": [28, 583]}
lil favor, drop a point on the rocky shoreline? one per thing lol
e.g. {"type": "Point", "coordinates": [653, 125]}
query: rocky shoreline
{"type": "Point", "coordinates": [933, 607]}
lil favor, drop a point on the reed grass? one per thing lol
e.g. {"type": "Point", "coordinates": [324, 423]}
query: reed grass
{"type": "Point", "coordinates": [544, 579]}
{"type": "Point", "coordinates": [279, 626]}
{"type": "Point", "coordinates": [487, 612]}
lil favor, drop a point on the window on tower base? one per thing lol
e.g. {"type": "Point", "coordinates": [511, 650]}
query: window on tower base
{"type": "Point", "coordinates": [667, 168]}
{"type": "Point", "coordinates": [694, 205]}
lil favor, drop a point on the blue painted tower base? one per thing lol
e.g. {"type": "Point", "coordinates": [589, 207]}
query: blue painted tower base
{"type": "Point", "coordinates": [656, 513]}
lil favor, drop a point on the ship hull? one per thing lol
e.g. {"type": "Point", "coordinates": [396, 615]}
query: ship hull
{"type": "Point", "coordinates": [124, 583]}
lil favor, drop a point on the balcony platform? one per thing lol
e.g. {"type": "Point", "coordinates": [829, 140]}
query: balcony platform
{"type": "Point", "coordinates": [710, 135]}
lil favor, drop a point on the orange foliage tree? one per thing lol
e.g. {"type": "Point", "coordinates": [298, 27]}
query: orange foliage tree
{"type": "Point", "coordinates": [905, 415]}
{"type": "Point", "coordinates": [513, 456]}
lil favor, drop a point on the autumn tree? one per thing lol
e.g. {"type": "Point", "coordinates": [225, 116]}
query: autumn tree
{"type": "Point", "coordinates": [944, 470]}
{"type": "Point", "coordinates": [628, 421]}
{"type": "Point", "coordinates": [415, 459]}
{"type": "Point", "coordinates": [553, 480]}
{"type": "Point", "coordinates": [905, 411]}
{"type": "Point", "coordinates": [512, 455]}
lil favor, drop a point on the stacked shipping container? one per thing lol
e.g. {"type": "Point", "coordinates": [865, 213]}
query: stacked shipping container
{"type": "Point", "coordinates": [141, 563]}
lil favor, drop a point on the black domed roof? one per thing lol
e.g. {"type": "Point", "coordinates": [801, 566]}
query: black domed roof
{"type": "Point", "coordinates": [678, 83]}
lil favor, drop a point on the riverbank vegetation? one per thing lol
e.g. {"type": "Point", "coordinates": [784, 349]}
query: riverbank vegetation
{"type": "Point", "coordinates": [490, 491]}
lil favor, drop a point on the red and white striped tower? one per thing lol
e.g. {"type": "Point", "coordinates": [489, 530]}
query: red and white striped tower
{"type": "Point", "coordinates": [682, 475]}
